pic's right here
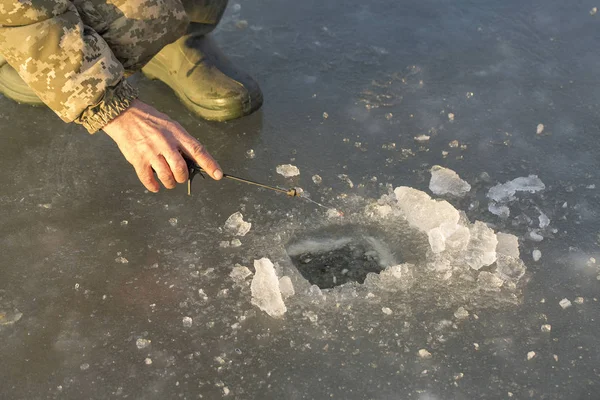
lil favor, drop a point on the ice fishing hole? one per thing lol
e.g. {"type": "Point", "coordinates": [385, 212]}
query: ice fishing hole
{"type": "Point", "coordinates": [329, 259]}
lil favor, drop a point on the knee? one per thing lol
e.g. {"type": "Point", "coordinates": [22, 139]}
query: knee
{"type": "Point", "coordinates": [166, 20]}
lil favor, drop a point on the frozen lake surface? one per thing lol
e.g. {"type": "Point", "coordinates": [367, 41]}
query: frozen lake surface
{"type": "Point", "coordinates": [110, 292]}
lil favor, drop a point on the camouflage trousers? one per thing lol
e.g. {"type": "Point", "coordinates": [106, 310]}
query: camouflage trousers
{"type": "Point", "coordinates": [134, 36]}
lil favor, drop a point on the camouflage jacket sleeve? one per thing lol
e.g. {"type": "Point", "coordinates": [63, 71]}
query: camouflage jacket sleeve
{"type": "Point", "coordinates": [68, 65]}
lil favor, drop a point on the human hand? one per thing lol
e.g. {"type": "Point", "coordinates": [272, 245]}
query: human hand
{"type": "Point", "coordinates": [150, 140]}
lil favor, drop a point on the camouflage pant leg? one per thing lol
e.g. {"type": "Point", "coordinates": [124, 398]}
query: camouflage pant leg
{"type": "Point", "coordinates": [207, 13]}
{"type": "Point", "coordinates": [135, 30]}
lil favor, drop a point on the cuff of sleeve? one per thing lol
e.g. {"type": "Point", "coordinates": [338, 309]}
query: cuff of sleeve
{"type": "Point", "coordinates": [115, 100]}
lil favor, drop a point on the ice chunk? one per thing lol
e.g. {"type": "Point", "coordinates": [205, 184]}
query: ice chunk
{"type": "Point", "coordinates": [509, 268]}
{"type": "Point", "coordinates": [498, 209]}
{"type": "Point", "coordinates": [508, 245]}
{"type": "Point", "coordinates": [481, 250]}
{"type": "Point", "coordinates": [386, 310]}
{"type": "Point", "coordinates": [423, 353]}
{"type": "Point", "coordinates": [535, 236]}
{"type": "Point", "coordinates": [235, 224]}
{"type": "Point", "coordinates": [546, 328]}
{"type": "Point", "coordinates": [506, 191]}
{"type": "Point", "coordinates": [438, 219]}
{"type": "Point", "coordinates": [142, 343]}
{"type": "Point", "coordinates": [187, 322]}
{"type": "Point", "coordinates": [564, 303]}
{"type": "Point", "coordinates": [317, 179]}
{"type": "Point", "coordinates": [536, 254]}
{"type": "Point", "coordinates": [396, 277]}
{"type": "Point", "coordinates": [437, 241]}
{"type": "Point", "coordinates": [530, 355]}
{"type": "Point", "coordinates": [461, 313]}
{"type": "Point", "coordinates": [445, 181]}
{"type": "Point", "coordinates": [286, 287]}
{"type": "Point", "coordinates": [422, 212]}
{"type": "Point", "coordinates": [539, 129]}
{"type": "Point", "coordinates": [266, 294]}
{"type": "Point", "coordinates": [288, 170]}
{"type": "Point", "coordinates": [9, 317]}
{"type": "Point", "coordinates": [544, 220]}
{"type": "Point", "coordinates": [239, 273]}
{"type": "Point", "coordinates": [345, 178]}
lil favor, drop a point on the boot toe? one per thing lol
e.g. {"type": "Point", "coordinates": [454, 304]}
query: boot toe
{"type": "Point", "coordinates": [220, 97]}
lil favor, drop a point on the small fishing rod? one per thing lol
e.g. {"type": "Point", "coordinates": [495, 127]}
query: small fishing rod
{"type": "Point", "coordinates": [194, 169]}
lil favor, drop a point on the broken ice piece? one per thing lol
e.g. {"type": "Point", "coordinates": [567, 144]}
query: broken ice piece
{"type": "Point", "coordinates": [535, 236]}
{"type": "Point", "coordinates": [445, 181]}
{"type": "Point", "coordinates": [236, 225]}
{"type": "Point", "coordinates": [539, 129]}
{"type": "Point", "coordinates": [422, 138]}
{"type": "Point", "coordinates": [498, 209]}
{"type": "Point", "coordinates": [536, 254]}
{"type": "Point", "coordinates": [461, 313]}
{"type": "Point", "coordinates": [386, 310]}
{"type": "Point", "coordinates": [250, 154]}
{"type": "Point", "coordinates": [345, 178]}
{"type": "Point", "coordinates": [288, 170]}
{"type": "Point", "coordinates": [507, 244]}
{"type": "Point", "coordinates": [148, 361]}
{"type": "Point", "coordinates": [564, 303]}
{"type": "Point", "coordinates": [239, 273]}
{"type": "Point", "coordinates": [173, 221]}
{"type": "Point", "coordinates": [424, 354]}
{"type": "Point", "coordinates": [266, 294]}
{"type": "Point", "coordinates": [187, 322]}
{"type": "Point", "coordinates": [530, 355]}
{"type": "Point", "coordinates": [317, 179]}
{"type": "Point", "coordinates": [450, 116]}
{"type": "Point", "coordinates": [142, 343]}
{"type": "Point", "coordinates": [505, 192]}
{"type": "Point", "coordinates": [594, 10]}
{"type": "Point", "coordinates": [481, 250]}
{"type": "Point", "coordinates": [286, 287]}
{"type": "Point", "coordinates": [544, 220]}
{"type": "Point", "coordinates": [9, 317]}
{"type": "Point", "coordinates": [236, 243]}
{"type": "Point", "coordinates": [546, 328]}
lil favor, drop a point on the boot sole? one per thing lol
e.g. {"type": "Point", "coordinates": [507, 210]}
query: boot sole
{"type": "Point", "coordinates": [17, 94]}
{"type": "Point", "coordinates": [230, 111]}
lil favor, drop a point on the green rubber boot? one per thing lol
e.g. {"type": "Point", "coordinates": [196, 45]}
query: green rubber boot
{"type": "Point", "coordinates": [15, 88]}
{"type": "Point", "coordinates": [204, 79]}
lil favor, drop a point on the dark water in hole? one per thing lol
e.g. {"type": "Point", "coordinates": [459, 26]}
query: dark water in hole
{"type": "Point", "coordinates": [335, 267]}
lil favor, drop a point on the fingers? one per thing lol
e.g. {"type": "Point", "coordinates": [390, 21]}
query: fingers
{"type": "Point", "coordinates": [177, 166]}
{"type": "Point", "coordinates": [200, 155]}
{"type": "Point", "coordinates": [146, 176]}
{"type": "Point", "coordinates": [163, 171]}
